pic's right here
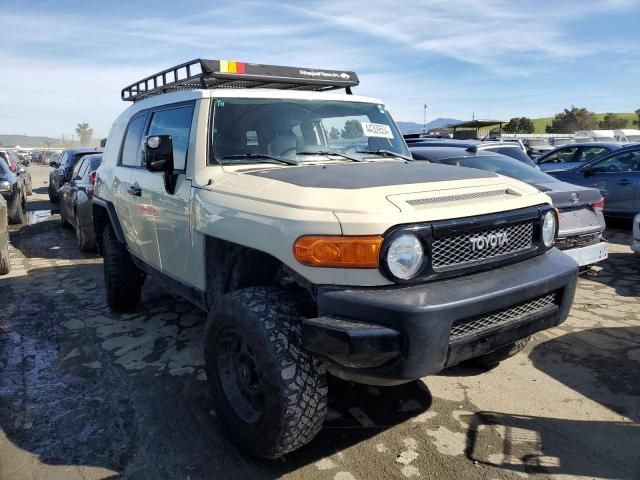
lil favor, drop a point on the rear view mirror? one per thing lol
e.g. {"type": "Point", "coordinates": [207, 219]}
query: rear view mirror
{"type": "Point", "coordinates": [158, 157]}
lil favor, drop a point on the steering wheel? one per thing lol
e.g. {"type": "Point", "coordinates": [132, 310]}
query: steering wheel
{"type": "Point", "coordinates": [288, 151]}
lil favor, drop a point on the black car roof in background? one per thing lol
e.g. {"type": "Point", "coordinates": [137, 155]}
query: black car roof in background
{"type": "Point", "coordinates": [84, 150]}
{"type": "Point", "coordinates": [440, 153]}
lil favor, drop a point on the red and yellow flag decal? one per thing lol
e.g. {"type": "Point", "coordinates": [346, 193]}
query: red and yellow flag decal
{"type": "Point", "coordinates": [227, 66]}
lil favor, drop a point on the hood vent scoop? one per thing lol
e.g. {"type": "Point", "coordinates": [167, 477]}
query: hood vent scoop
{"type": "Point", "coordinates": [460, 197]}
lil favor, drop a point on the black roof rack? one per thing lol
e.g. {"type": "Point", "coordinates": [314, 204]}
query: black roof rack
{"type": "Point", "coordinates": [201, 73]}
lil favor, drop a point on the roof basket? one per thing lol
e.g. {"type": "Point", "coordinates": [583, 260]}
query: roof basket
{"type": "Point", "coordinates": [205, 74]}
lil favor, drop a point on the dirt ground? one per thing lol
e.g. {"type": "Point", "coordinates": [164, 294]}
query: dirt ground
{"type": "Point", "coordinates": [88, 394]}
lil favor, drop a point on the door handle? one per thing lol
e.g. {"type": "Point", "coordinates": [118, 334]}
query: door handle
{"type": "Point", "coordinates": [624, 181]}
{"type": "Point", "coordinates": [134, 190]}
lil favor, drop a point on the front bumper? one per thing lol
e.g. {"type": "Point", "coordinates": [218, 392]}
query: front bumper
{"type": "Point", "coordinates": [392, 335]}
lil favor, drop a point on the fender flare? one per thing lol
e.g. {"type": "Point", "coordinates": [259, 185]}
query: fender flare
{"type": "Point", "coordinates": [104, 210]}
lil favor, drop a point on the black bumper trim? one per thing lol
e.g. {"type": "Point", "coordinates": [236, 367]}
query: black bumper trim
{"type": "Point", "coordinates": [423, 314]}
{"type": "Point", "coordinates": [349, 343]}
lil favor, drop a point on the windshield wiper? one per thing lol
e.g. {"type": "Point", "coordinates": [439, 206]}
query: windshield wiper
{"type": "Point", "coordinates": [329, 152]}
{"type": "Point", "coordinates": [385, 153]}
{"type": "Point", "coordinates": [256, 156]}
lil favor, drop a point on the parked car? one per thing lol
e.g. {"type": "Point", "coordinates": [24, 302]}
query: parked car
{"type": "Point", "coordinates": [5, 260]}
{"type": "Point", "coordinates": [76, 204]}
{"type": "Point", "coordinates": [627, 135]}
{"type": "Point", "coordinates": [616, 174]}
{"type": "Point", "coordinates": [537, 146]}
{"type": "Point", "coordinates": [594, 136]}
{"type": "Point", "coordinates": [635, 242]}
{"type": "Point", "coordinates": [559, 141]}
{"type": "Point", "coordinates": [12, 189]}
{"type": "Point", "coordinates": [313, 254]}
{"type": "Point", "coordinates": [505, 148]}
{"type": "Point", "coordinates": [572, 155]}
{"type": "Point", "coordinates": [582, 224]}
{"type": "Point", "coordinates": [18, 168]}
{"type": "Point", "coordinates": [62, 168]}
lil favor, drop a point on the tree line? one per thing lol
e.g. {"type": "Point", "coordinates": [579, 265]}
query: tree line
{"type": "Point", "coordinates": [571, 120]}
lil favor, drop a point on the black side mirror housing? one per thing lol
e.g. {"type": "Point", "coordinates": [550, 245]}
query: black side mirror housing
{"type": "Point", "coordinates": [587, 172]}
{"type": "Point", "coordinates": [158, 157]}
{"type": "Point", "coordinates": [53, 164]}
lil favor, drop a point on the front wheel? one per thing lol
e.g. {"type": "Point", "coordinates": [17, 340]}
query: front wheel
{"type": "Point", "coordinates": [5, 260]}
{"type": "Point", "coordinates": [269, 392]}
{"type": "Point", "coordinates": [493, 359]}
{"type": "Point", "coordinates": [17, 210]}
{"type": "Point", "coordinates": [53, 195]}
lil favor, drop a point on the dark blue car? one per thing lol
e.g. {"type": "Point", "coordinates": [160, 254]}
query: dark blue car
{"type": "Point", "coordinates": [574, 154]}
{"type": "Point", "coordinates": [617, 176]}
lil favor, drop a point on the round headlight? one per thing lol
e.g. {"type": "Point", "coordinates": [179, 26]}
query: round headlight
{"type": "Point", "coordinates": [404, 256]}
{"type": "Point", "coordinates": [549, 228]}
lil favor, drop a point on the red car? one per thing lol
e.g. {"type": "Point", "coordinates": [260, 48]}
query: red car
{"type": "Point", "coordinates": [13, 166]}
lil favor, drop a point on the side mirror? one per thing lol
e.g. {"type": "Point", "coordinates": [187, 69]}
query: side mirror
{"type": "Point", "coordinates": [53, 163]}
{"type": "Point", "coordinates": [21, 170]}
{"type": "Point", "coordinates": [587, 172]}
{"type": "Point", "coordinates": [158, 157]}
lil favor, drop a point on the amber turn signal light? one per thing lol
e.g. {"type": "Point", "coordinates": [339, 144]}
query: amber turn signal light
{"type": "Point", "coordinates": [338, 251]}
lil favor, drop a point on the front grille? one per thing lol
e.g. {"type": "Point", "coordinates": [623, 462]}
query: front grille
{"type": "Point", "coordinates": [418, 202]}
{"type": "Point", "coordinates": [486, 321]}
{"type": "Point", "coordinates": [578, 241]}
{"type": "Point", "coordinates": [456, 249]}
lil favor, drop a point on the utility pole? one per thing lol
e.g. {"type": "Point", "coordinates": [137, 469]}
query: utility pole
{"type": "Point", "coordinates": [424, 119]}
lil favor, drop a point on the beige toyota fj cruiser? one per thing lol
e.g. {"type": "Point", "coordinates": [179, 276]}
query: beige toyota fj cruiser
{"type": "Point", "coordinates": [297, 219]}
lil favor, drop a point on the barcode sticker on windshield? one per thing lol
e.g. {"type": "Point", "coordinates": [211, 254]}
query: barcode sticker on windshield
{"type": "Point", "coordinates": [376, 130]}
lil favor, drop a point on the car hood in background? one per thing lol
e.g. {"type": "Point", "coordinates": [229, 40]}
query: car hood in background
{"type": "Point", "coordinates": [566, 194]}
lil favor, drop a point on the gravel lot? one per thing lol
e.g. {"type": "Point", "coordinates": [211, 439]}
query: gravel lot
{"type": "Point", "coordinates": [86, 394]}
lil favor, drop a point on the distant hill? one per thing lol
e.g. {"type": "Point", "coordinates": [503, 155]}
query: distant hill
{"type": "Point", "coordinates": [541, 123]}
{"type": "Point", "coordinates": [412, 127]}
{"type": "Point", "coordinates": [40, 142]}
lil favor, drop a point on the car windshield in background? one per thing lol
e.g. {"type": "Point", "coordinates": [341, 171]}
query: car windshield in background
{"type": "Point", "coordinates": [299, 130]}
{"type": "Point", "coordinates": [633, 138]}
{"type": "Point", "coordinates": [538, 143]}
{"type": "Point", "coordinates": [504, 166]}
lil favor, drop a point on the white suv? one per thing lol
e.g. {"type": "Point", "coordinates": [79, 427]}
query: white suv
{"type": "Point", "coordinates": [297, 219]}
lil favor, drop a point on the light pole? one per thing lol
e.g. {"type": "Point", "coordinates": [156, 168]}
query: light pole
{"type": "Point", "coordinates": [424, 119]}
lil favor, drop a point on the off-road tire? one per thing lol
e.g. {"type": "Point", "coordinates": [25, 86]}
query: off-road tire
{"type": "Point", "coordinates": [268, 319]}
{"type": "Point", "coordinates": [122, 279]}
{"type": "Point", "coordinates": [17, 210]}
{"type": "Point", "coordinates": [493, 359]}
{"type": "Point", "coordinates": [5, 260]}
{"type": "Point", "coordinates": [53, 196]}
{"type": "Point", "coordinates": [84, 244]}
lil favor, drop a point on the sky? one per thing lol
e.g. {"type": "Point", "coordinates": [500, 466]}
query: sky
{"type": "Point", "coordinates": [65, 61]}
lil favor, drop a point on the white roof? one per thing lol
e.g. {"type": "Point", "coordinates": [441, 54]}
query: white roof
{"type": "Point", "coordinates": [627, 131]}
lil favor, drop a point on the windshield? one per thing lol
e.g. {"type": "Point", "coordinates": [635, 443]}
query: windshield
{"type": "Point", "coordinates": [605, 139]}
{"type": "Point", "coordinates": [504, 166]}
{"type": "Point", "coordinates": [633, 138]}
{"type": "Point", "coordinates": [246, 128]}
{"type": "Point", "coordinates": [538, 143]}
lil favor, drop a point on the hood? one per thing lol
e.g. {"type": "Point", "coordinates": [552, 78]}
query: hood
{"type": "Point", "coordinates": [567, 195]}
{"type": "Point", "coordinates": [419, 190]}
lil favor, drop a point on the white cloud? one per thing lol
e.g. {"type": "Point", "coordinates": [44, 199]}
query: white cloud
{"type": "Point", "coordinates": [60, 69]}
